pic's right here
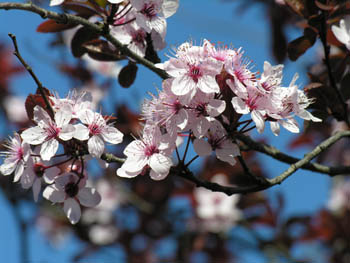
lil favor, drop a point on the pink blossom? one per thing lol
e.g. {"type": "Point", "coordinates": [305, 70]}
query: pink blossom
{"type": "Point", "coordinates": [218, 141]}
{"type": "Point", "coordinates": [151, 14]}
{"type": "Point", "coordinates": [192, 69]}
{"type": "Point", "coordinates": [70, 190]}
{"type": "Point", "coordinates": [150, 152]}
{"type": "Point", "coordinates": [217, 211]}
{"type": "Point", "coordinates": [35, 173]}
{"type": "Point", "coordinates": [342, 33]}
{"type": "Point", "coordinates": [48, 131]}
{"type": "Point", "coordinates": [16, 157]}
{"type": "Point", "coordinates": [96, 132]}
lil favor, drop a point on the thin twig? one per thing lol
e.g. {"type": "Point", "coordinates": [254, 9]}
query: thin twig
{"type": "Point", "coordinates": [35, 78]}
{"type": "Point", "coordinates": [326, 49]}
{"type": "Point", "coordinates": [97, 28]}
{"type": "Point", "coordinates": [280, 156]}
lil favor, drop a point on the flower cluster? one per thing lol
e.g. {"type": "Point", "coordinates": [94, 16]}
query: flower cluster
{"type": "Point", "coordinates": [81, 132]}
{"type": "Point", "coordinates": [208, 91]}
{"type": "Point", "coordinates": [137, 20]}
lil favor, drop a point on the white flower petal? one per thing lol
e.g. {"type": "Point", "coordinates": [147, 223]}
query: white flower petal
{"type": "Point", "coordinates": [18, 171]}
{"type": "Point", "coordinates": [123, 173]}
{"type": "Point", "coordinates": [53, 194]}
{"type": "Point", "coordinates": [67, 132]}
{"type": "Point", "coordinates": [36, 188]}
{"type": "Point", "coordinates": [258, 120]}
{"type": "Point", "coordinates": [112, 135]}
{"type": "Point", "coordinates": [81, 132]}
{"type": "Point", "coordinates": [216, 107]}
{"type": "Point", "coordinates": [275, 127]}
{"type": "Point", "coordinates": [169, 7]}
{"type": "Point", "coordinates": [34, 135]}
{"type": "Point", "coordinates": [62, 117]}
{"type": "Point", "coordinates": [48, 149]}
{"type": "Point", "coordinates": [160, 163]}
{"type": "Point", "coordinates": [89, 197]}
{"type": "Point", "coordinates": [202, 147]}
{"type": "Point", "coordinates": [239, 105]}
{"type": "Point", "coordinates": [72, 209]}
{"type": "Point", "coordinates": [290, 125]}
{"type": "Point", "coordinates": [96, 146]}
{"type": "Point", "coordinates": [7, 168]}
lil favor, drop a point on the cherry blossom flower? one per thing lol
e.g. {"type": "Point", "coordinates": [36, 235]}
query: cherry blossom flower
{"type": "Point", "coordinates": [202, 110]}
{"type": "Point", "coordinates": [340, 196]}
{"type": "Point", "coordinates": [96, 132]}
{"type": "Point", "coordinates": [47, 132]}
{"type": "Point", "coordinates": [192, 70]}
{"type": "Point", "coordinates": [166, 110]}
{"type": "Point", "coordinates": [219, 142]}
{"type": "Point", "coordinates": [342, 32]}
{"type": "Point", "coordinates": [75, 102]}
{"type": "Point", "coordinates": [37, 172]}
{"type": "Point", "coordinates": [70, 190]}
{"type": "Point", "coordinates": [150, 152]}
{"type": "Point", "coordinates": [151, 14]}
{"type": "Point", "coordinates": [218, 211]}
{"type": "Point", "coordinates": [16, 157]}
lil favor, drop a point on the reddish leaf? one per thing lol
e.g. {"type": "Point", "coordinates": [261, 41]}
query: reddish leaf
{"type": "Point", "coordinates": [298, 6]}
{"type": "Point", "coordinates": [32, 101]}
{"type": "Point", "coordinates": [82, 36]}
{"type": "Point", "coordinates": [127, 75]}
{"type": "Point", "coordinates": [50, 26]}
{"type": "Point", "coordinates": [323, 6]}
{"type": "Point", "coordinates": [300, 45]}
{"type": "Point", "coordinates": [302, 140]}
{"type": "Point", "coordinates": [81, 10]}
{"type": "Point", "coordinates": [78, 72]}
{"type": "Point", "coordinates": [100, 50]}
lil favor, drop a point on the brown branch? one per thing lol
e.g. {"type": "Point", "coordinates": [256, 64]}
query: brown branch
{"type": "Point", "coordinates": [326, 49]}
{"type": "Point", "coordinates": [280, 156]}
{"type": "Point", "coordinates": [29, 69]}
{"type": "Point", "coordinates": [97, 28]}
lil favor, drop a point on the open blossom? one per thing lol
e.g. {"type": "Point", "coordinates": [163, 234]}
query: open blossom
{"type": "Point", "coordinates": [75, 102]}
{"type": "Point", "coordinates": [96, 131]}
{"type": "Point", "coordinates": [218, 211]}
{"type": "Point", "coordinates": [16, 157]}
{"type": "Point", "coordinates": [217, 141]}
{"type": "Point", "coordinates": [47, 132]}
{"type": "Point", "coordinates": [192, 70]}
{"type": "Point", "coordinates": [72, 192]}
{"type": "Point", "coordinates": [150, 151]}
{"type": "Point", "coordinates": [36, 173]}
{"type": "Point", "coordinates": [342, 32]}
{"type": "Point", "coordinates": [151, 14]}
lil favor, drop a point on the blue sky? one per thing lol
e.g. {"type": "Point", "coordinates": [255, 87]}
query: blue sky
{"type": "Point", "coordinates": [195, 20]}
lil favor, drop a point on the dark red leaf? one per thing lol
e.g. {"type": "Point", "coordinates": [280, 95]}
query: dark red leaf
{"type": "Point", "coordinates": [127, 75]}
{"type": "Point", "coordinates": [50, 26]}
{"type": "Point", "coordinates": [99, 49]}
{"type": "Point", "coordinates": [82, 36]}
{"type": "Point", "coordinates": [300, 45]}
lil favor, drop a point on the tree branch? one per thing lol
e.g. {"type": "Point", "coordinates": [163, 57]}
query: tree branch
{"type": "Point", "coordinates": [97, 28]}
{"type": "Point", "coordinates": [280, 156]}
{"type": "Point", "coordinates": [29, 69]}
{"type": "Point", "coordinates": [326, 49]}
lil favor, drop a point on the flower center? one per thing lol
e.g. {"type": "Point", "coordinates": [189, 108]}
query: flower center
{"type": "Point", "coordinates": [150, 150]}
{"type": "Point", "coordinates": [94, 129]}
{"type": "Point", "coordinates": [52, 131]}
{"type": "Point", "coordinates": [195, 73]}
{"type": "Point", "coordinates": [139, 37]}
{"type": "Point", "coordinates": [201, 109]}
{"type": "Point", "coordinates": [39, 169]}
{"type": "Point", "coordinates": [149, 11]}
{"type": "Point", "coordinates": [71, 189]}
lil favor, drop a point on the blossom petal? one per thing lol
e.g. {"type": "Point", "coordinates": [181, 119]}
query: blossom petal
{"type": "Point", "coordinates": [18, 171]}
{"type": "Point", "coordinates": [72, 209]}
{"type": "Point", "coordinates": [67, 132]}
{"type": "Point", "coordinates": [112, 135]}
{"type": "Point", "coordinates": [89, 197]}
{"type": "Point", "coordinates": [36, 189]}
{"type": "Point", "coordinates": [160, 163]}
{"type": "Point", "coordinates": [7, 168]}
{"type": "Point", "coordinates": [216, 107]}
{"type": "Point", "coordinates": [48, 149]}
{"type": "Point", "coordinates": [169, 7]}
{"type": "Point", "coordinates": [53, 194]}
{"type": "Point", "coordinates": [258, 120]}
{"type": "Point", "coordinates": [96, 146]}
{"type": "Point", "coordinates": [81, 132]}
{"type": "Point", "coordinates": [275, 127]}
{"type": "Point", "coordinates": [123, 173]}
{"type": "Point", "coordinates": [34, 135]}
{"type": "Point", "coordinates": [202, 147]}
{"type": "Point", "coordinates": [239, 105]}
